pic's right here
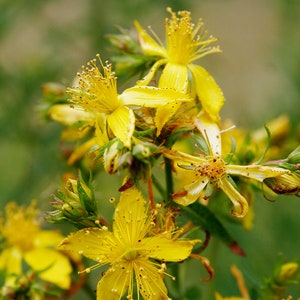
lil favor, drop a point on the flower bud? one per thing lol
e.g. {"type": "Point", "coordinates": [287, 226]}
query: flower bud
{"type": "Point", "coordinates": [75, 204]}
{"type": "Point", "coordinates": [288, 272]}
{"type": "Point", "coordinates": [294, 157]}
{"type": "Point", "coordinates": [141, 151]}
{"type": "Point", "coordinates": [115, 156]}
{"type": "Point", "coordinates": [53, 88]}
{"type": "Point", "coordinates": [288, 184]}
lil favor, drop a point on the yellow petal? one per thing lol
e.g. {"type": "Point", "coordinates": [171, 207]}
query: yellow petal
{"type": "Point", "coordinates": [194, 191]}
{"type": "Point", "coordinates": [148, 44]}
{"type": "Point", "coordinates": [164, 114]}
{"type": "Point", "coordinates": [97, 244]}
{"type": "Point", "coordinates": [255, 171]}
{"type": "Point", "coordinates": [210, 131]}
{"type": "Point", "coordinates": [74, 133]}
{"type": "Point", "coordinates": [46, 238]}
{"type": "Point", "coordinates": [100, 130]}
{"type": "Point", "coordinates": [121, 122]}
{"type": "Point", "coordinates": [239, 202]}
{"type": "Point", "coordinates": [148, 77]}
{"type": "Point", "coordinates": [11, 261]}
{"type": "Point", "coordinates": [174, 76]}
{"type": "Point", "coordinates": [115, 282]}
{"type": "Point", "coordinates": [56, 265]}
{"type": "Point", "coordinates": [66, 114]}
{"type": "Point", "coordinates": [131, 222]}
{"type": "Point", "coordinates": [209, 93]}
{"type": "Point", "coordinates": [150, 96]}
{"type": "Point", "coordinates": [182, 157]}
{"type": "Point", "coordinates": [79, 152]}
{"type": "Point", "coordinates": [149, 281]}
{"type": "Point", "coordinates": [165, 249]}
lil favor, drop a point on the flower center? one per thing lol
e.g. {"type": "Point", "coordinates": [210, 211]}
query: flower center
{"type": "Point", "coordinates": [214, 168]}
{"type": "Point", "coordinates": [130, 254]}
{"type": "Point", "coordinates": [185, 40]}
{"type": "Point", "coordinates": [21, 226]}
{"type": "Point", "coordinates": [95, 91]}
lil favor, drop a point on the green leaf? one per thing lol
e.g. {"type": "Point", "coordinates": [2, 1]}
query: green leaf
{"type": "Point", "coordinates": [201, 216]}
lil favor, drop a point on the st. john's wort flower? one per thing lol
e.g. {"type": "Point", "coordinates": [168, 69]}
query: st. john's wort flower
{"type": "Point", "coordinates": [129, 249]}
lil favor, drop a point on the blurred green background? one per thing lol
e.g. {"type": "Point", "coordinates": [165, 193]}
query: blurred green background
{"type": "Point", "coordinates": [258, 70]}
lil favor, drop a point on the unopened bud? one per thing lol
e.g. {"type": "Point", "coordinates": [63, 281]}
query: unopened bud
{"type": "Point", "coordinates": [111, 157]}
{"type": "Point", "coordinates": [288, 272]}
{"type": "Point", "coordinates": [288, 184]}
{"type": "Point", "coordinates": [143, 151]}
{"type": "Point", "coordinates": [294, 157]}
{"type": "Point", "coordinates": [115, 156]}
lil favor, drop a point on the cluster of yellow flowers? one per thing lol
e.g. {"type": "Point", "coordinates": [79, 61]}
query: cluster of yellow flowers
{"type": "Point", "coordinates": [29, 252]}
{"type": "Point", "coordinates": [168, 120]}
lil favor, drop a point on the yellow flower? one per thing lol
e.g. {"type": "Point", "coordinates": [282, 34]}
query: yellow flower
{"type": "Point", "coordinates": [211, 168]}
{"type": "Point", "coordinates": [24, 240]}
{"type": "Point", "coordinates": [127, 249]}
{"type": "Point", "coordinates": [97, 93]}
{"type": "Point", "coordinates": [185, 43]}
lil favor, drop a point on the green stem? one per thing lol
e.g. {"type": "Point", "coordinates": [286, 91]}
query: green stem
{"type": "Point", "coordinates": [169, 180]}
{"type": "Point", "coordinates": [89, 291]}
{"type": "Point", "coordinates": [159, 187]}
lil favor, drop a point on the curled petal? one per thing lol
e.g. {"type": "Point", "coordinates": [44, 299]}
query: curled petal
{"type": "Point", "coordinates": [193, 192]}
{"type": "Point", "coordinates": [239, 202]}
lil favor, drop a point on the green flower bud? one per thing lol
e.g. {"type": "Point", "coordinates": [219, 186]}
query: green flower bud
{"type": "Point", "coordinates": [75, 204]}
{"type": "Point", "coordinates": [294, 157]}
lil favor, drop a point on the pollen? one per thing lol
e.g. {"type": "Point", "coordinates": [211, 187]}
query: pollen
{"type": "Point", "coordinates": [96, 89]}
{"type": "Point", "coordinates": [214, 169]}
{"type": "Point", "coordinates": [187, 41]}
